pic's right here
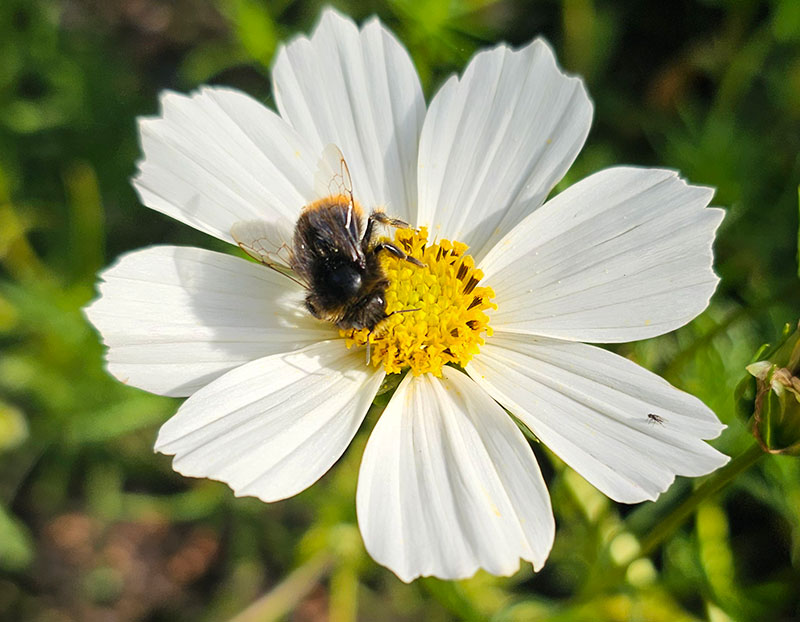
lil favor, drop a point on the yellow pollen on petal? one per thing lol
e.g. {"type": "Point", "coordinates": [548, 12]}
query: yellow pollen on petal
{"type": "Point", "coordinates": [437, 313]}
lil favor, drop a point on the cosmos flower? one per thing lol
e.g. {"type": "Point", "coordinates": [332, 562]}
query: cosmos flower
{"type": "Point", "coordinates": [512, 284]}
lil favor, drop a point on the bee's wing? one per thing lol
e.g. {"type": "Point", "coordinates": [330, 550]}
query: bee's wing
{"type": "Point", "coordinates": [333, 179]}
{"type": "Point", "coordinates": [267, 243]}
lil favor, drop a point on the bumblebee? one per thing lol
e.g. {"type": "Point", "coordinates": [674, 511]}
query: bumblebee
{"type": "Point", "coordinates": [334, 255]}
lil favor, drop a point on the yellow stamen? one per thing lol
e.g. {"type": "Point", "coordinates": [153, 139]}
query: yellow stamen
{"type": "Point", "coordinates": [449, 322]}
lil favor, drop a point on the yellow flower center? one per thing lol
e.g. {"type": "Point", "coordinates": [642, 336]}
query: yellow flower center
{"type": "Point", "coordinates": [437, 313]}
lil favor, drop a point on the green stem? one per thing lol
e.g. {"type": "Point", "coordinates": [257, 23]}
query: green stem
{"type": "Point", "coordinates": [343, 594]}
{"type": "Point", "coordinates": [707, 489]}
{"type": "Point", "coordinates": [285, 596]}
{"type": "Point", "coordinates": [611, 576]}
{"type": "Point", "coordinates": [452, 597]}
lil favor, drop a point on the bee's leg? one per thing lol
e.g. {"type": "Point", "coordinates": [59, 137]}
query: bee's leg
{"type": "Point", "coordinates": [380, 217]}
{"type": "Point", "coordinates": [367, 237]}
{"type": "Point", "coordinates": [369, 347]}
{"type": "Point", "coordinates": [401, 311]}
{"type": "Point", "coordinates": [397, 252]}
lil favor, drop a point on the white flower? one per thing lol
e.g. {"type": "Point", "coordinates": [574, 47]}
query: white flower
{"type": "Point", "coordinates": [448, 484]}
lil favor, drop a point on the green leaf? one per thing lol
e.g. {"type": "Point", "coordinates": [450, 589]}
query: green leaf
{"type": "Point", "coordinates": [16, 547]}
{"type": "Point", "coordinates": [255, 29]}
{"type": "Point", "coordinates": [13, 427]}
{"type": "Point", "coordinates": [123, 417]}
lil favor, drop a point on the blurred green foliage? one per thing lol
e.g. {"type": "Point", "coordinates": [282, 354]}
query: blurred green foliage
{"type": "Point", "coordinates": [94, 526]}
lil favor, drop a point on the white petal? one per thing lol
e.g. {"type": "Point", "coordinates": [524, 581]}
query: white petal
{"type": "Point", "coordinates": [175, 318]}
{"type": "Point", "coordinates": [273, 427]}
{"type": "Point", "coordinates": [624, 254]}
{"type": "Point", "coordinates": [360, 91]}
{"type": "Point", "coordinates": [496, 142]}
{"type": "Point", "coordinates": [218, 156]}
{"type": "Point", "coordinates": [448, 484]}
{"type": "Point", "coordinates": [591, 408]}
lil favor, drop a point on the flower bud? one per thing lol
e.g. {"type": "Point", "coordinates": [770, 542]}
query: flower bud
{"type": "Point", "coordinates": [777, 405]}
